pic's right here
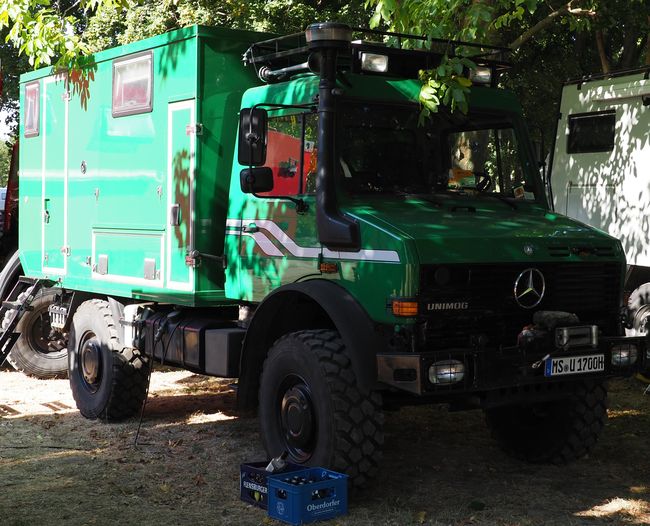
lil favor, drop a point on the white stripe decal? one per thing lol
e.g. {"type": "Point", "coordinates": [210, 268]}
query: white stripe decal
{"type": "Point", "coordinates": [366, 254]}
{"type": "Point", "coordinates": [269, 248]}
{"type": "Point", "coordinates": [265, 244]}
{"type": "Point", "coordinates": [286, 241]}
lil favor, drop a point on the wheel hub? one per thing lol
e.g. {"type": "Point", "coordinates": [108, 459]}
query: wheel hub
{"type": "Point", "coordinates": [640, 322]}
{"type": "Point", "coordinates": [42, 338]}
{"type": "Point", "coordinates": [297, 416]}
{"type": "Point", "coordinates": [90, 361]}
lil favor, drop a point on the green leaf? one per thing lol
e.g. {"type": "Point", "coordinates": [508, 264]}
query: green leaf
{"type": "Point", "coordinates": [458, 94]}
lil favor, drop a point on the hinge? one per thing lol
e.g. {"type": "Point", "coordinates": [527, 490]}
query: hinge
{"type": "Point", "coordinates": [194, 129]}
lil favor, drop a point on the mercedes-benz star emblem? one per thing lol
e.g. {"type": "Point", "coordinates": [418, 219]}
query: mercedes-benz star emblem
{"type": "Point", "coordinates": [529, 288]}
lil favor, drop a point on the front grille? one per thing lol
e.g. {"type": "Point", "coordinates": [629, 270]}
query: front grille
{"type": "Point", "coordinates": [590, 290]}
{"type": "Point", "coordinates": [563, 251]}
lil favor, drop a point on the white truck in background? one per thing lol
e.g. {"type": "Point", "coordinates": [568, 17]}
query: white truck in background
{"type": "Point", "coordinates": [600, 171]}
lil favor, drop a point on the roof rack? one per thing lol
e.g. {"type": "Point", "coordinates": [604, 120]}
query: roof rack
{"type": "Point", "coordinates": [279, 58]}
{"type": "Point", "coordinates": [612, 75]}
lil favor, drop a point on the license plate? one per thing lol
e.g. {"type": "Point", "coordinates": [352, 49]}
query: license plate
{"type": "Point", "coordinates": [574, 365]}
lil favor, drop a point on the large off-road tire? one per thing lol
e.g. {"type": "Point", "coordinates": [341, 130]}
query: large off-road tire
{"type": "Point", "coordinates": [638, 311]}
{"type": "Point", "coordinates": [108, 381]}
{"type": "Point", "coordinates": [312, 407]}
{"type": "Point", "coordinates": [555, 432]}
{"type": "Point", "coordinates": [39, 351]}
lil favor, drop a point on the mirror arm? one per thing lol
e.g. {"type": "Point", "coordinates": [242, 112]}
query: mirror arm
{"type": "Point", "coordinates": [301, 206]}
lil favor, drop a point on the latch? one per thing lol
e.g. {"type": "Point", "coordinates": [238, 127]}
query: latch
{"type": "Point", "coordinates": [194, 129]}
{"type": "Point", "coordinates": [175, 214]}
{"type": "Point", "coordinates": [65, 251]}
{"type": "Point", "coordinates": [194, 257]}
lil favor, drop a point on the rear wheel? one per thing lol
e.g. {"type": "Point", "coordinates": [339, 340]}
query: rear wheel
{"type": "Point", "coordinates": [40, 351]}
{"type": "Point", "coordinates": [557, 431]}
{"type": "Point", "coordinates": [107, 380]}
{"type": "Point", "coordinates": [312, 407]}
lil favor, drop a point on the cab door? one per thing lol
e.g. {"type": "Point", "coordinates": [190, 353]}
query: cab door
{"type": "Point", "coordinates": [279, 242]}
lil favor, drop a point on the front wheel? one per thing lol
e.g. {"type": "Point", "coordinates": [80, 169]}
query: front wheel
{"type": "Point", "coordinates": [555, 432]}
{"type": "Point", "coordinates": [108, 381]}
{"type": "Point", "coordinates": [638, 311]}
{"type": "Point", "coordinates": [312, 407]}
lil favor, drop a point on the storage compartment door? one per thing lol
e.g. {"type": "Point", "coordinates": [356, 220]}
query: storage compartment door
{"type": "Point", "coordinates": [180, 194]}
{"type": "Point", "coordinates": [54, 175]}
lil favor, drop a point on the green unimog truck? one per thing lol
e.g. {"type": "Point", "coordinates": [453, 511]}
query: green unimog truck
{"type": "Point", "coordinates": [289, 222]}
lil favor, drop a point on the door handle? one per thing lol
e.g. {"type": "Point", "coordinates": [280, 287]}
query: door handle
{"type": "Point", "coordinates": [46, 216]}
{"type": "Point", "coordinates": [251, 228]}
{"type": "Point", "coordinates": [175, 215]}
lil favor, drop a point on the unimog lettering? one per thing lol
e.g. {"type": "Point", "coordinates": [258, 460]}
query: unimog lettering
{"type": "Point", "coordinates": [458, 305]}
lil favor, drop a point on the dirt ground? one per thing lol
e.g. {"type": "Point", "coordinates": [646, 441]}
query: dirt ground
{"type": "Point", "coordinates": [440, 468]}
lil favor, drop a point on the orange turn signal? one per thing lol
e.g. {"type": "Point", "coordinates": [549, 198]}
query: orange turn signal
{"type": "Point", "coordinates": [328, 268]}
{"type": "Point", "coordinates": [406, 308]}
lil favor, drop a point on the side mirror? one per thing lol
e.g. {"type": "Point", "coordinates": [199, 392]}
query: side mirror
{"type": "Point", "coordinates": [253, 125]}
{"type": "Point", "coordinates": [256, 180]}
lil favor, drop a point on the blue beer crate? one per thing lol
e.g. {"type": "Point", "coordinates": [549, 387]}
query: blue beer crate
{"type": "Point", "coordinates": [253, 486]}
{"type": "Point", "coordinates": [309, 495]}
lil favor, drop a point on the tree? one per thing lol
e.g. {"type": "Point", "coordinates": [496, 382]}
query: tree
{"type": "Point", "coordinates": [550, 40]}
{"type": "Point", "coordinates": [36, 33]}
{"type": "Point", "coordinates": [110, 25]}
{"type": "Point", "coordinates": [5, 161]}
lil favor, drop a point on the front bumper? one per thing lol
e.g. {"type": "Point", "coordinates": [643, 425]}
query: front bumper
{"type": "Point", "coordinates": [498, 369]}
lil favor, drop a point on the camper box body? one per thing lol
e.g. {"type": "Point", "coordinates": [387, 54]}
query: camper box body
{"type": "Point", "coordinates": [601, 159]}
{"type": "Point", "coordinates": [125, 169]}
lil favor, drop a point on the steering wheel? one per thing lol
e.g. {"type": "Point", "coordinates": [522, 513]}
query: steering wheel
{"type": "Point", "coordinates": [483, 181]}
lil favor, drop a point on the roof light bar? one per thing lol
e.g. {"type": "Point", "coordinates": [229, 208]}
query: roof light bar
{"type": "Point", "coordinates": [481, 75]}
{"type": "Point", "coordinates": [374, 62]}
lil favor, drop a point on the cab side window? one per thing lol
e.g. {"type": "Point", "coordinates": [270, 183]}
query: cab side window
{"type": "Point", "coordinates": [291, 154]}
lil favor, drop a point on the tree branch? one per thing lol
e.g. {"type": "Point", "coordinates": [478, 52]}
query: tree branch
{"type": "Point", "coordinates": [566, 9]}
{"type": "Point", "coordinates": [602, 54]}
{"type": "Point", "coordinates": [647, 47]}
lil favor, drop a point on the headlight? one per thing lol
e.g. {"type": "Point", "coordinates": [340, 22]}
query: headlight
{"type": "Point", "coordinates": [446, 372]}
{"type": "Point", "coordinates": [624, 355]}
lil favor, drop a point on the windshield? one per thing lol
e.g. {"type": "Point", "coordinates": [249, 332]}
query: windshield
{"type": "Point", "coordinates": [383, 149]}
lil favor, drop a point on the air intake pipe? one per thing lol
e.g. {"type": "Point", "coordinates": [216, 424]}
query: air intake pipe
{"type": "Point", "coordinates": [335, 230]}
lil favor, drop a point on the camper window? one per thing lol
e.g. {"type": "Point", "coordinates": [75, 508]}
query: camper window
{"type": "Point", "coordinates": [591, 132]}
{"type": "Point", "coordinates": [32, 105]}
{"type": "Point", "coordinates": [132, 85]}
